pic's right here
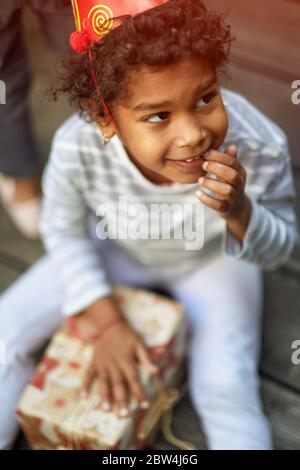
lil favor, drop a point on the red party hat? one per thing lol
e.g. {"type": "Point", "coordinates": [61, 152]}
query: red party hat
{"type": "Point", "coordinates": [95, 18]}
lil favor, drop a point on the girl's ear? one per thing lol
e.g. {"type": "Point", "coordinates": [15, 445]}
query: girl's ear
{"type": "Point", "coordinates": [104, 122]}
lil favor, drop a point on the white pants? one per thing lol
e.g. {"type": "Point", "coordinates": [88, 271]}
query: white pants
{"type": "Point", "coordinates": [224, 306]}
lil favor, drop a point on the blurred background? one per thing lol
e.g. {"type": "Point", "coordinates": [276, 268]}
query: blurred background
{"type": "Point", "coordinates": [265, 62]}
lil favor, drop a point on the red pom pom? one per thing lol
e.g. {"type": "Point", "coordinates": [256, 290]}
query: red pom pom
{"type": "Point", "coordinates": [80, 41]}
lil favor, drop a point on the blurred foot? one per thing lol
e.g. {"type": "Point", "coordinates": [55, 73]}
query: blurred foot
{"type": "Point", "coordinates": [21, 198]}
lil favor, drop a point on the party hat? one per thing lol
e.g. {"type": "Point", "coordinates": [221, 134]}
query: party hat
{"type": "Point", "coordinates": [95, 19]}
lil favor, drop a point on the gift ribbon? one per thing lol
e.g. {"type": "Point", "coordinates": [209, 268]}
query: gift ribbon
{"type": "Point", "coordinates": [158, 414]}
{"type": "Point", "coordinates": [73, 432]}
{"type": "Point", "coordinates": [161, 412]}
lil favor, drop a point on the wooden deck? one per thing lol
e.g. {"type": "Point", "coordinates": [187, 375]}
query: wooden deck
{"type": "Point", "coordinates": [280, 378]}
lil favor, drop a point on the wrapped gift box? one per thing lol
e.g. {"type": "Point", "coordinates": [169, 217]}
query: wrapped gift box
{"type": "Point", "coordinates": [50, 412]}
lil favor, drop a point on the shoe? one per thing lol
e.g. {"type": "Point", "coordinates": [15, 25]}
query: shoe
{"type": "Point", "coordinates": [25, 215]}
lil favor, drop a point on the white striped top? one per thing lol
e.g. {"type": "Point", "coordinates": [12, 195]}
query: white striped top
{"type": "Point", "coordinates": [83, 177]}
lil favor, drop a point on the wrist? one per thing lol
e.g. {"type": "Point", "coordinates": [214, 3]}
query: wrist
{"type": "Point", "coordinates": [238, 224]}
{"type": "Point", "coordinates": [96, 320]}
{"type": "Point", "coordinates": [103, 330]}
{"type": "Point", "coordinates": [102, 311]}
{"type": "Point", "coordinates": [243, 212]}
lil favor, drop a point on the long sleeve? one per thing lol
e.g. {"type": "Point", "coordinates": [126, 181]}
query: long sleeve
{"type": "Point", "coordinates": [64, 230]}
{"type": "Point", "coordinates": [272, 231]}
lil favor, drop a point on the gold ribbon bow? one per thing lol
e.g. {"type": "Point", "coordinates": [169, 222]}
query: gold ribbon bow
{"type": "Point", "coordinates": [160, 413]}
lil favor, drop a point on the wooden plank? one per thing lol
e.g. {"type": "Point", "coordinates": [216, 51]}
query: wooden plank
{"type": "Point", "coordinates": [281, 324]}
{"type": "Point", "coordinates": [12, 243]}
{"type": "Point", "coordinates": [281, 327]}
{"type": "Point", "coordinates": [282, 406]}
{"type": "Point", "coordinates": [186, 425]}
{"type": "Point", "coordinates": [267, 32]}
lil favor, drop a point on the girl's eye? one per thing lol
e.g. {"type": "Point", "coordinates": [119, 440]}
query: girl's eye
{"type": "Point", "coordinates": [207, 99]}
{"type": "Point", "coordinates": [158, 117]}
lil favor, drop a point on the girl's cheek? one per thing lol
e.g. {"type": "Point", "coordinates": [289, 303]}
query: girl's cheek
{"type": "Point", "coordinates": [221, 125]}
{"type": "Point", "coordinates": [225, 120]}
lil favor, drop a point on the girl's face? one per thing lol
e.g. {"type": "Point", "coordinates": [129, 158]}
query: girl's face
{"type": "Point", "coordinates": [172, 114]}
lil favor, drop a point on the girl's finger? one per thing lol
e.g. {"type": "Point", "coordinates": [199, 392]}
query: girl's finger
{"type": "Point", "coordinates": [228, 159]}
{"type": "Point", "coordinates": [144, 358]}
{"type": "Point", "coordinates": [222, 190]}
{"type": "Point", "coordinates": [232, 150]}
{"type": "Point", "coordinates": [215, 204]}
{"type": "Point", "coordinates": [119, 392]}
{"type": "Point", "coordinates": [105, 392]}
{"type": "Point", "coordinates": [83, 392]}
{"type": "Point", "coordinates": [227, 173]}
{"type": "Point", "coordinates": [131, 372]}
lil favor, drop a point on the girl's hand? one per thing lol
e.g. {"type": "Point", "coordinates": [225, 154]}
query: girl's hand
{"type": "Point", "coordinates": [230, 200]}
{"type": "Point", "coordinates": [116, 356]}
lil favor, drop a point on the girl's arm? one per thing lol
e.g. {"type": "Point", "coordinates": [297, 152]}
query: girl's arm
{"type": "Point", "coordinates": [272, 230]}
{"type": "Point", "coordinates": [118, 350]}
{"type": "Point", "coordinates": [65, 235]}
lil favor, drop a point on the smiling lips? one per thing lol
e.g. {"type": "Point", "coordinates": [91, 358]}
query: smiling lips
{"type": "Point", "coordinates": [193, 159]}
{"type": "Point", "coordinates": [190, 163]}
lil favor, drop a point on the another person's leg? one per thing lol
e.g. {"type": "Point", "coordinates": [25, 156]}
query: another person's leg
{"type": "Point", "coordinates": [18, 154]}
{"type": "Point", "coordinates": [20, 167]}
{"type": "Point", "coordinates": [57, 23]}
{"type": "Point", "coordinates": [30, 312]}
{"type": "Point", "coordinates": [224, 305]}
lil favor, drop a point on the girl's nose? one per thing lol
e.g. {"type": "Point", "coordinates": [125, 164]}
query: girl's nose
{"type": "Point", "coordinates": [190, 133]}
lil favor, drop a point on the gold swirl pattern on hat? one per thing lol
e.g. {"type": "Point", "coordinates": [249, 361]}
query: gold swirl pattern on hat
{"type": "Point", "coordinates": [100, 17]}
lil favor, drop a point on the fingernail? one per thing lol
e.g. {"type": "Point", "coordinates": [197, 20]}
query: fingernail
{"type": "Point", "coordinates": [105, 406]}
{"type": "Point", "coordinates": [144, 405]}
{"type": "Point", "coordinates": [198, 193]}
{"type": "Point", "coordinates": [205, 165]}
{"type": "Point", "coordinates": [201, 180]}
{"type": "Point", "coordinates": [124, 411]}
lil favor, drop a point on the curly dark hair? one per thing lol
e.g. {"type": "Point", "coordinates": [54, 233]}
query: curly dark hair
{"type": "Point", "coordinates": [161, 36]}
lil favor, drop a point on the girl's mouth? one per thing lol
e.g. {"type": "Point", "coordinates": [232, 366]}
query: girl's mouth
{"type": "Point", "coordinates": [189, 164]}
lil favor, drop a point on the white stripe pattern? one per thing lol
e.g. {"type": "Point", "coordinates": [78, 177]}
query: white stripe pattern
{"type": "Point", "coordinates": [82, 175]}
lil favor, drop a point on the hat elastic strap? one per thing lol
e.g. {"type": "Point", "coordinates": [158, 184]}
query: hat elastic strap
{"type": "Point", "coordinates": [97, 88]}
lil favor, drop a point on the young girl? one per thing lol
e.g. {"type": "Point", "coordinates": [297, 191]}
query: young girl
{"type": "Point", "coordinates": [160, 130]}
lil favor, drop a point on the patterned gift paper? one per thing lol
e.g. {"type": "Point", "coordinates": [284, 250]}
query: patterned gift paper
{"type": "Point", "coordinates": [50, 412]}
